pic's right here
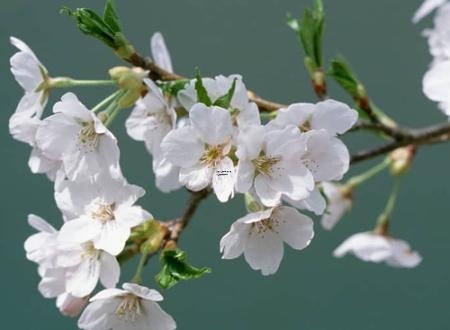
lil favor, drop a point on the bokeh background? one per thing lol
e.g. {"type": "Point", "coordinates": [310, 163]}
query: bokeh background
{"type": "Point", "coordinates": [312, 290]}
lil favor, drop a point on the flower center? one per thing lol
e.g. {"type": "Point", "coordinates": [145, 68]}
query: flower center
{"type": "Point", "coordinates": [265, 225]}
{"type": "Point", "coordinates": [213, 155]}
{"type": "Point", "coordinates": [130, 308]}
{"type": "Point", "coordinates": [264, 164]}
{"type": "Point", "coordinates": [305, 127]}
{"type": "Point", "coordinates": [88, 137]}
{"type": "Point", "coordinates": [103, 212]}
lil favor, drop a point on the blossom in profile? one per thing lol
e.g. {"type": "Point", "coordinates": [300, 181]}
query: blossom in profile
{"type": "Point", "coordinates": [373, 247]}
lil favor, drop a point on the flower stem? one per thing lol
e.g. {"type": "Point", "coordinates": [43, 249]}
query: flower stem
{"type": "Point", "coordinates": [383, 221]}
{"type": "Point", "coordinates": [137, 278]}
{"type": "Point", "coordinates": [106, 101]}
{"type": "Point", "coordinates": [360, 179]}
{"type": "Point", "coordinates": [63, 82]}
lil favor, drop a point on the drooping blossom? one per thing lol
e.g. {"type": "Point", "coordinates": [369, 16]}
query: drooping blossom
{"type": "Point", "coordinates": [376, 248]}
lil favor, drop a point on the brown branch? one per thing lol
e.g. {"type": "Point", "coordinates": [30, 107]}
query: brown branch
{"type": "Point", "coordinates": [177, 226]}
{"type": "Point", "coordinates": [397, 133]}
{"type": "Point", "coordinates": [401, 136]}
{"type": "Point", "coordinates": [158, 73]}
{"type": "Point", "coordinates": [417, 137]}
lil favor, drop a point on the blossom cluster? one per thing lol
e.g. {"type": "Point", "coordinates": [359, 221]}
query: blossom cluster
{"type": "Point", "coordinates": [206, 134]}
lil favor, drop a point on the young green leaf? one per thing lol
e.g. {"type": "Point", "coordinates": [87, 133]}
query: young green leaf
{"type": "Point", "coordinates": [173, 87]}
{"type": "Point", "coordinates": [202, 93]}
{"type": "Point", "coordinates": [106, 29]}
{"type": "Point", "coordinates": [225, 100]}
{"type": "Point", "coordinates": [343, 74]}
{"type": "Point", "coordinates": [174, 268]}
{"type": "Point", "coordinates": [310, 33]}
{"type": "Point", "coordinates": [111, 17]}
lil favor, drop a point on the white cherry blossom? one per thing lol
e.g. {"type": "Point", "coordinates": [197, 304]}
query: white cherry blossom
{"type": "Point", "coordinates": [201, 151]}
{"type": "Point", "coordinates": [75, 136]}
{"type": "Point", "coordinates": [333, 116]}
{"type": "Point", "coordinates": [376, 248]}
{"type": "Point", "coordinates": [134, 307]}
{"type": "Point", "coordinates": [101, 211]}
{"type": "Point", "coordinates": [245, 113]}
{"type": "Point", "coordinates": [271, 162]}
{"type": "Point", "coordinates": [260, 236]}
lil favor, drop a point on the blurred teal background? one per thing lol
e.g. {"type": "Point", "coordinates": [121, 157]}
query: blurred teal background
{"type": "Point", "coordinates": [312, 290]}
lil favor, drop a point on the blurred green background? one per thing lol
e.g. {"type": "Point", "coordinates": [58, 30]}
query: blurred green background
{"type": "Point", "coordinates": [312, 290]}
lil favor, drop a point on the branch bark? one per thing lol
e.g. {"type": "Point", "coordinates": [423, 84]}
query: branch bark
{"type": "Point", "coordinates": [417, 137]}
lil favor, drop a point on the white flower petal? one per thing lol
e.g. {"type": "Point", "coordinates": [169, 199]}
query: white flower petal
{"type": "Point", "coordinates": [182, 147]}
{"type": "Point", "coordinates": [223, 180]}
{"type": "Point", "coordinates": [83, 280]}
{"type": "Point", "coordinates": [294, 228]}
{"type": "Point", "coordinates": [109, 270]}
{"type": "Point", "coordinates": [264, 251]}
{"type": "Point", "coordinates": [160, 53]}
{"type": "Point", "coordinates": [265, 192]}
{"type": "Point", "coordinates": [142, 292]}
{"type": "Point", "coordinates": [212, 123]}
{"type": "Point", "coordinates": [196, 178]}
{"type": "Point", "coordinates": [333, 116]}
{"type": "Point", "coordinates": [426, 8]}
{"type": "Point", "coordinates": [79, 230]}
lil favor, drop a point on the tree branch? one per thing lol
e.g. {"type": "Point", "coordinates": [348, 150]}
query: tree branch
{"type": "Point", "coordinates": [177, 226]}
{"type": "Point", "coordinates": [422, 136]}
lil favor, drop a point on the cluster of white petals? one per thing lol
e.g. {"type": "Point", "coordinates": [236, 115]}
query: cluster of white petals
{"type": "Point", "coordinates": [218, 142]}
{"type": "Point", "coordinates": [76, 150]}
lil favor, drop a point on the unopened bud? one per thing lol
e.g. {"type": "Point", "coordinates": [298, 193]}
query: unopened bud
{"type": "Point", "coordinates": [128, 78]}
{"type": "Point", "coordinates": [71, 306]}
{"type": "Point", "coordinates": [155, 236]}
{"type": "Point", "coordinates": [401, 160]}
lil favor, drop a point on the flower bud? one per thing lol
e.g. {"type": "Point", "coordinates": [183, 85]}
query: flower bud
{"type": "Point", "coordinates": [155, 234]}
{"type": "Point", "coordinates": [401, 160]}
{"type": "Point", "coordinates": [128, 78]}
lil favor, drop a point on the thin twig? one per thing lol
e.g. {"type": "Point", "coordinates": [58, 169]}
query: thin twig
{"type": "Point", "coordinates": [422, 136]}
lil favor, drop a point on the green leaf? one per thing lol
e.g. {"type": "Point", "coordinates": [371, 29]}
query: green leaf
{"type": "Point", "coordinates": [173, 87]}
{"type": "Point", "coordinates": [174, 268]}
{"type": "Point", "coordinates": [343, 74]}
{"type": "Point", "coordinates": [105, 28]}
{"type": "Point", "coordinates": [310, 32]}
{"type": "Point", "coordinates": [91, 24]}
{"type": "Point", "coordinates": [111, 17]}
{"type": "Point", "coordinates": [225, 100]}
{"type": "Point", "coordinates": [202, 93]}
